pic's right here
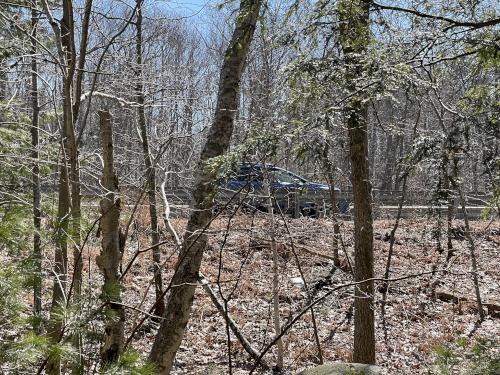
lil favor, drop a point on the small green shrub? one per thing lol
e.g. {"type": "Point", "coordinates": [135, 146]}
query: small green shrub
{"type": "Point", "coordinates": [466, 357]}
{"type": "Point", "coordinates": [130, 363]}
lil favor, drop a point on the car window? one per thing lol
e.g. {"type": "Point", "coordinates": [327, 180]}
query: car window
{"type": "Point", "coordinates": [282, 176]}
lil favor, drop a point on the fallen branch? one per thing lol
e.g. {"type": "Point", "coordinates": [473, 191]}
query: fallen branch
{"type": "Point", "coordinates": [232, 324]}
{"type": "Point", "coordinates": [493, 310]}
{"type": "Point", "coordinates": [343, 267]}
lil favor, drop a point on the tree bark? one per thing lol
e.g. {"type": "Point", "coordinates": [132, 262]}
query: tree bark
{"type": "Point", "coordinates": [111, 253]}
{"type": "Point", "coordinates": [355, 34]}
{"type": "Point", "coordinates": [35, 174]}
{"type": "Point", "coordinates": [65, 44]}
{"type": "Point", "coordinates": [59, 297]}
{"type": "Point", "coordinates": [150, 169]}
{"type": "Point", "coordinates": [329, 169]}
{"type": "Point", "coordinates": [274, 250]}
{"type": "Point", "coordinates": [184, 281]}
{"type": "Point", "coordinates": [389, 164]}
{"type": "Point", "coordinates": [82, 58]}
{"type": "Point", "coordinates": [60, 261]}
{"type": "Point", "coordinates": [68, 42]}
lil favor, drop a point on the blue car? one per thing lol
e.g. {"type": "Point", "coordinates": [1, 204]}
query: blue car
{"type": "Point", "coordinates": [292, 193]}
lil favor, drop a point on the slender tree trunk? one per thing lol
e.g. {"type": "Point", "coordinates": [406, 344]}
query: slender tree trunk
{"type": "Point", "coordinates": [449, 203]}
{"type": "Point", "coordinates": [404, 179]}
{"type": "Point", "coordinates": [468, 235]}
{"type": "Point", "coordinates": [389, 164]}
{"type": "Point", "coordinates": [111, 252]}
{"type": "Point", "coordinates": [69, 183]}
{"type": "Point", "coordinates": [59, 297]}
{"type": "Point", "coordinates": [274, 250]}
{"type": "Point", "coordinates": [3, 84]}
{"type": "Point", "coordinates": [372, 152]}
{"type": "Point", "coordinates": [82, 58]}
{"type": "Point", "coordinates": [183, 283]}
{"type": "Point", "coordinates": [76, 183]}
{"type": "Point", "coordinates": [472, 250]}
{"type": "Point", "coordinates": [37, 254]}
{"type": "Point", "coordinates": [329, 168]}
{"type": "Point", "coordinates": [74, 155]}
{"type": "Point", "coordinates": [188, 121]}
{"type": "Point", "coordinates": [398, 153]}
{"type": "Point", "coordinates": [68, 41]}
{"type": "Point", "coordinates": [150, 169]}
{"type": "Point", "coordinates": [355, 34]}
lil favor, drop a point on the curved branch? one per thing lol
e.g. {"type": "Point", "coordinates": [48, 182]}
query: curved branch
{"type": "Point", "coordinates": [451, 21]}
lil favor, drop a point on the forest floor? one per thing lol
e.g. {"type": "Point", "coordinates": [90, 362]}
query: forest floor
{"type": "Point", "coordinates": [418, 318]}
{"type": "Point", "coordinates": [426, 313]}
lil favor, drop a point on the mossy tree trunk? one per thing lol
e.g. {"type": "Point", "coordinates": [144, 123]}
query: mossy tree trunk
{"type": "Point", "coordinates": [184, 281]}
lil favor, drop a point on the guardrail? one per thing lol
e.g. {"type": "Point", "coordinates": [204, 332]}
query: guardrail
{"type": "Point", "coordinates": [385, 204]}
{"type": "Point", "coordinates": [380, 197]}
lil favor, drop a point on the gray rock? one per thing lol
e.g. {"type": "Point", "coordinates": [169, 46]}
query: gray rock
{"type": "Point", "coordinates": [343, 369]}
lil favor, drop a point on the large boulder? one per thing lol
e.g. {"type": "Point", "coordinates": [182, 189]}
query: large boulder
{"type": "Point", "coordinates": [343, 369]}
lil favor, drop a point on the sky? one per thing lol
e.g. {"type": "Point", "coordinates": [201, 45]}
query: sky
{"type": "Point", "coordinates": [188, 8]}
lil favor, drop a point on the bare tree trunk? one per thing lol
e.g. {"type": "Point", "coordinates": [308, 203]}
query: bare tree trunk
{"type": "Point", "coordinates": [3, 84]}
{"type": "Point", "coordinates": [60, 262]}
{"type": "Point", "coordinates": [355, 35]}
{"type": "Point", "coordinates": [329, 168]}
{"type": "Point", "coordinates": [449, 203]}
{"type": "Point", "coordinates": [390, 153]}
{"type": "Point", "coordinates": [472, 246]}
{"type": "Point", "coordinates": [69, 204]}
{"type": "Point", "coordinates": [307, 290]}
{"type": "Point", "coordinates": [37, 254]}
{"type": "Point", "coordinates": [68, 176]}
{"type": "Point", "coordinates": [76, 183]}
{"type": "Point", "coordinates": [372, 152]}
{"type": "Point", "coordinates": [150, 169]}
{"type": "Point", "coordinates": [74, 154]}
{"type": "Point", "coordinates": [276, 303]}
{"type": "Point", "coordinates": [68, 41]}
{"type": "Point", "coordinates": [82, 58]}
{"type": "Point", "coordinates": [111, 252]}
{"type": "Point", "coordinates": [59, 297]}
{"type": "Point", "coordinates": [385, 287]}
{"type": "Point", "coordinates": [404, 179]}
{"type": "Point", "coordinates": [398, 153]}
{"type": "Point", "coordinates": [185, 277]}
